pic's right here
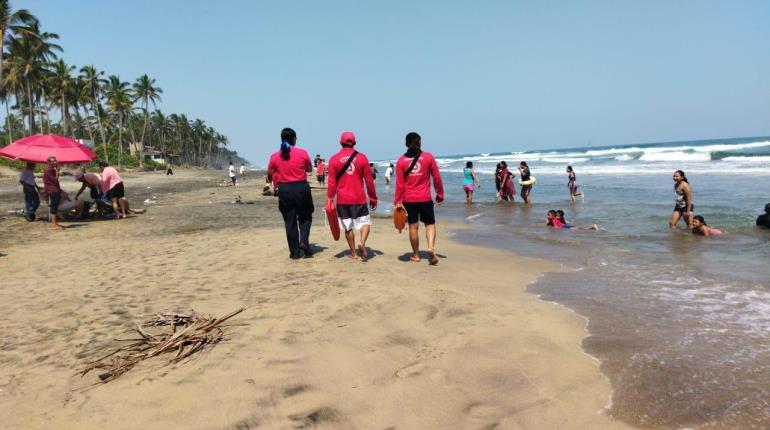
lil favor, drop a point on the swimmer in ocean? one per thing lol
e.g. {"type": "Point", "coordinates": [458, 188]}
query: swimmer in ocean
{"type": "Point", "coordinates": [700, 228]}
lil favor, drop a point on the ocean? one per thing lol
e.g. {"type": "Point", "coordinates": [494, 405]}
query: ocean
{"type": "Point", "coordinates": [680, 323]}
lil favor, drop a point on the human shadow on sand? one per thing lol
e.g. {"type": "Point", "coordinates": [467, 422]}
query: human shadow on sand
{"type": "Point", "coordinates": [423, 256]}
{"type": "Point", "coordinates": [371, 253]}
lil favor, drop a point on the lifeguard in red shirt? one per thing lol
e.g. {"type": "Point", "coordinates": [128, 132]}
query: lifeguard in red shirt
{"type": "Point", "coordinates": [349, 171]}
{"type": "Point", "coordinates": [414, 171]}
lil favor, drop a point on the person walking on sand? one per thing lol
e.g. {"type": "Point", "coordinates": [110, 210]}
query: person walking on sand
{"type": "Point", "coordinates": [242, 172]}
{"type": "Point", "coordinates": [414, 171]}
{"type": "Point", "coordinates": [320, 172]}
{"type": "Point", "coordinates": [231, 172]}
{"type": "Point", "coordinates": [53, 190]}
{"type": "Point", "coordinates": [31, 190]}
{"type": "Point", "coordinates": [683, 205]}
{"type": "Point", "coordinates": [288, 168]}
{"type": "Point", "coordinates": [525, 176]}
{"type": "Point", "coordinates": [470, 182]}
{"type": "Point", "coordinates": [572, 184]}
{"type": "Point", "coordinates": [169, 171]}
{"type": "Point", "coordinates": [349, 170]}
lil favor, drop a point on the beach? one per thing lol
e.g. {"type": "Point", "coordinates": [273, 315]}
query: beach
{"type": "Point", "coordinates": [324, 342]}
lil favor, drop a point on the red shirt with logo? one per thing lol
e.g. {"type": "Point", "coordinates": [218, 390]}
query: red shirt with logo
{"type": "Point", "coordinates": [416, 187]}
{"type": "Point", "coordinates": [292, 170]}
{"type": "Point", "coordinates": [350, 188]}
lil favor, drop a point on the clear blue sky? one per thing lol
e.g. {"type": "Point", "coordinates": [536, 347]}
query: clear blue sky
{"type": "Point", "coordinates": [468, 76]}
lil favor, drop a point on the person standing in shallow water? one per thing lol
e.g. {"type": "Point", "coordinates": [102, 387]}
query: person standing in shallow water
{"type": "Point", "coordinates": [683, 206]}
{"type": "Point", "coordinates": [288, 168]}
{"type": "Point", "coordinates": [572, 184]}
{"type": "Point", "coordinates": [525, 176]}
{"type": "Point", "coordinates": [470, 182]}
{"type": "Point", "coordinates": [414, 171]}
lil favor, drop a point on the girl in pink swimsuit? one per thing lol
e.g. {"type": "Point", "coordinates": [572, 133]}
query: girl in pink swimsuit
{"type": "Point", "coordinates": [700, 227]}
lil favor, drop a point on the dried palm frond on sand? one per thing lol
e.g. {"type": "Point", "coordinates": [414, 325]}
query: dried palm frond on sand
{"type": "Point", "coordinates": [182, 335]}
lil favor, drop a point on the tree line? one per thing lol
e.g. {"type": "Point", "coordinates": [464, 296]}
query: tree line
{"type": "Point", "coordinates": [90, 104]}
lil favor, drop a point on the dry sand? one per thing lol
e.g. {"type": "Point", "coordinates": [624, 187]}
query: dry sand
{"type": "Point", "coordinates": [324, 342]}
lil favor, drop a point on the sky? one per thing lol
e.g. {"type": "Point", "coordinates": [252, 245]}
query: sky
{"type": "Point", "coordinates": [470, 77]}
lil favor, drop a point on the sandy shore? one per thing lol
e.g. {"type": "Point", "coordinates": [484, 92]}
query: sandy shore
{"type": "Point", "coordinates": [324, 342]}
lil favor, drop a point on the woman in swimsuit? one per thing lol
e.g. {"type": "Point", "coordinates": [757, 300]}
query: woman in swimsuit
{"type": "Point", "coordinates": [683, 206]}
{"type": "Point", "coordinates": [470, 182]}
{"type": "Point", "coordinates": [525, 189]}
{"type": "Point", "coordinates": [700, 228]}
{"type": "Point", "coordinates": [572, 184]}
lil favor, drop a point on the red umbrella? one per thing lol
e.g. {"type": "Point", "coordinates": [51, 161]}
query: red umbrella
{"type": "Point", "coordinates": [38, 147]}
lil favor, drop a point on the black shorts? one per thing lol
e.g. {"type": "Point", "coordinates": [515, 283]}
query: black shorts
{"type": "Point", "coordinates": [684, 210]}
{"type": "Point", "coordinates": [116, 192]}
{"type": "Point", "coordinates": [420, 211]}
{"type": "Point", "coordinates": [95, 194]}
{"type": "Point", "coordinates": [53, 202]}
{"type": "Point", "coordinates": [321, 178]}
{"type": "Point", "coordinates": [232, 178]}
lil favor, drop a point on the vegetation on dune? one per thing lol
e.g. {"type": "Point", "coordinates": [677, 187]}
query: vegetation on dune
{"type": "Point", "coordinates": [35, 82]}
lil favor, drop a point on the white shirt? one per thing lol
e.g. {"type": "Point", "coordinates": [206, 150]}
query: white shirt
{"type": "Point", "coordinates": [389, 172]}
{"type": "Point", "coordinates": [232, 171]}
{"type": "Point", "coordinates": [243, 169]}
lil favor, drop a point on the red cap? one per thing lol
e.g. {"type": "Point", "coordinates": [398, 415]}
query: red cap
{"type": "Point", "coordinates": [347, 137]}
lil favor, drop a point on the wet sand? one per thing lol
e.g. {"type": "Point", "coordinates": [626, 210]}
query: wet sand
{"type": "Point", "coordinates": [324, 342]}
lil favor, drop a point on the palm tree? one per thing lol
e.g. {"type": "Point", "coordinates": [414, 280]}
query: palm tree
{"type": "Point", "coordinates": [62, 89]}
{"type": "Point", "coordinates": [146, 91]}
{"type": "Point", "coordinates": [120, 101]}
{"type": "Point", "coordinates": [14, 23]}
{"type": "Point", "coordinates": [94, 84]}
{"type": "Point", "coordinates": [28, 59]}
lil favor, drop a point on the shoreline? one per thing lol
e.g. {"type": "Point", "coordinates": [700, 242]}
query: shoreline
{"type": "Point", "coordinates": [324, 342]}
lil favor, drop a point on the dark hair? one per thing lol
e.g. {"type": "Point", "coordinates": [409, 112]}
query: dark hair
{"type": "Point", "coordinates": [560, 214]}
{"type": "Point", "coordinates": [103, 164]}
{"type": "Point", "coordinates": [700, 218]}
{"type": "Point", "coordinates": [504, 164]}
{"type": "Point", "coordinates": [684, 178]}
{"type": "Point", "coordinates": [552, 212]}
{"type": "Point", "coordinates": [288, 139]}
{"type": "Point", "coordinates": [569, 168]}
{"type": "Point", "coordinates": [767, 208]}
{"type": "Point", "coordinates": [413, 145]}
{"type": "Point", "coordinates": [523, 163]}
{"type": "Point", "coordinates": [468, 164]}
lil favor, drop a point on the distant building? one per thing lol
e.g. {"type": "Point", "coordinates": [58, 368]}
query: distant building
{"type": "Point", "coordinates": [151, 154]}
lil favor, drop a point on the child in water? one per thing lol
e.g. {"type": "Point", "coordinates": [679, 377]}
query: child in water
{"type": "Point", "coordinates": [555, 219]}
{"type": "Point", "coordinates": [700, 227]}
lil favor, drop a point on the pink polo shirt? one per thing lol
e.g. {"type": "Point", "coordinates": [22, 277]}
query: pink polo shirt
{"type": "Point", "coordinates": [110, 178]}
{"type": "Point", "coordinates": [292, 170]}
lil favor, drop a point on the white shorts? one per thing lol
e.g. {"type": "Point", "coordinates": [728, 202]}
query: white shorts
{"type": "Point", "coordinates": [353, 216]}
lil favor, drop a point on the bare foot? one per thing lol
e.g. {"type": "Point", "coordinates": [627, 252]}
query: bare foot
{"type": "Point", "coordinates": [432, 259]}
{"type": "Point", "coordinates": [57, 227]}
{"type": "Point", "coordinates": [353, 255]}
{"type": "Point", "coordinates": [415, 258]}
{"type": "Point", "coordinates": [362, 252]}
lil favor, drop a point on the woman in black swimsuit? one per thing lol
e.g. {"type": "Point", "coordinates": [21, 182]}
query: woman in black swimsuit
{"type": "Point", "coordinates": [683, 206]}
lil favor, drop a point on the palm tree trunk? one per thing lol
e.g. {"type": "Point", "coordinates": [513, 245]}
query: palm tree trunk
{"type": "Point", "coordinates": [120, 140]}
{"type": "Point", "coordinates": [101, 127]}
{"type": "Point", "coordinates": [30, 108]}
{"type": "Point", "coordinates": [63, 122]}
{"type": "Point", "coordinates": [9, 126]}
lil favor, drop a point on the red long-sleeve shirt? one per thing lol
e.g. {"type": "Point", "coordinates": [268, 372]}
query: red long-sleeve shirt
{"type": "Point", "coordinates": [416, 187]}
{"type": "Point", "coordinates": [350, 188]}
